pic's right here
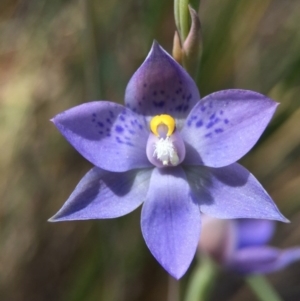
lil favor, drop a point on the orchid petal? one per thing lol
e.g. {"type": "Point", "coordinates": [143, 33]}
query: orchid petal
{"type": "Point", "coordinates": [224, 126]}
{"type": "Point", "coordinates": [107, 134]}
{"type": "Point", "coordinates": [100, 195]}
{"type": "Point", "coordinates": [261, 260]}
{"type": "Point", "coordinates": [231, 192]}
{"type": "Point", "coordinates": [170, 220]}
{"type": "Point", "coordinates": [254, 232]}
{"type": "Point", "coordinates": [161, 86]}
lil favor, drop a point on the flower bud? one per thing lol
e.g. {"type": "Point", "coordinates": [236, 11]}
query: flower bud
{"type": "Point", "coordinates": [192, 46]}
{"type": "Point", "coordinates": [177, 50]}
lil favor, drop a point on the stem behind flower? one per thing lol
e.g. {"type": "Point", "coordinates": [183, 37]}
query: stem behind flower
{"type": "Point", "coordinates": [202, 280]}
{"type": "Point", "coordinates": [262, 288]}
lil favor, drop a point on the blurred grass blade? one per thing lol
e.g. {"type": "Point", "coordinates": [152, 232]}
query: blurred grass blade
{"type": "Point", "coordinates": [262, 288]}
{"type": "Point", "coordinates": [202, 280]}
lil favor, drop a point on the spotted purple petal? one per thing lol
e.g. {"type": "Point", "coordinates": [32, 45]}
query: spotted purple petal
{"type": "Point", "coordinates": [224, 126]}
{"type": "Point", "coordinates": [170, 220]}
{"type": "Point", "coordinates": [99, 195]}
{"type": "Point", "coordinates": [107, 134]}
{"type": "Point", "coordinates": [161, 86]}
{"type": "Point", "coordinates": [261, 260]}
{"type": "Point", "coordinates": [254, 232]}
{"type": "Point", "coordinates": [231, 192]}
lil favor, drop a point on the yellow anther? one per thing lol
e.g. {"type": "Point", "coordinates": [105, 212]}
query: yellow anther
{"type": "Point", "coordinates": [166, 120]}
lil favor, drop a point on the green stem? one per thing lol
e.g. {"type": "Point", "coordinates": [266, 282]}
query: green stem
{"type": "Point", "coordinates": [202, 280]}
{"type": "Point", "coordinates": [177, 14]}
{"type": "Point", "coordinates": [262, 288]}
{"type": "Point", "coordinates": [182, 16]}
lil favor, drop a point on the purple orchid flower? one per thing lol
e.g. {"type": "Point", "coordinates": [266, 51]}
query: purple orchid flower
{"type": "Point", "coordinates": [241, 245]}
{"type": "Point", "coordinates": [171, 151]}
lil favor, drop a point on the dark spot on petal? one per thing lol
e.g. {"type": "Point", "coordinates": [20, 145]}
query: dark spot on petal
{"type": "Point", "coordinates": [154, 93]}
{"type": "Point", "coordinates": [199, 124]}
{"type": "Point", "coordinates": [100, 124]}
{"type": "Point", "coordinates": [139, 103]}
{"type": "Point", "coordinates": [145, 85]}
{"type": "Point", "coordinates": [108, 120]}
{"type": "Point", "coordinates": [185, 108]}
{"type": "Point", "coordinates": [158, 104]}
{"type": "Point", "coordinates": [189, 97]}
{"type": "Point", "coordinates": [131, 132]}
{"type": "Point", "coordinates": [219, 130]}
{"type": "Point", "coordinates": [94, 114]}
{"type": "Point", "coordinates": [221, 112]}
{"type": "Point", "coordinates": [194, 117]}
{"type": "Point", "coordinates": [119, 129]}
{"type": "Point", "coordinates": [203, 109]}
{"type": "Point", "coordinates": [108, 135]}
{"type": "Point", "coordinates": [122, 118]}
{"type": "Point", "coordinates": [179, 108]}
{"type": "Point", "coordinates": [119, 140]}
{"type": "Point", "coordinates": [100, 132]}
{"type": "Point", "coordinates": [129, 143]}
{"type": "Point", "coordinates": [111, 114]}
{"type": "Point", "coordinates": [209, 125]}
{"type": "Point", "coordinates": [162, 92]}
{"type": "Point", "coordinates": [226, 121]}
{"type": "Point", "coordinates": [212, 116]}
{"type": "Point", "coordinates": [208, 135]}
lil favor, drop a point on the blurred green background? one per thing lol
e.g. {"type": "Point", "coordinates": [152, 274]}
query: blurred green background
{"type": "Point", "coordinates": [57, 54]}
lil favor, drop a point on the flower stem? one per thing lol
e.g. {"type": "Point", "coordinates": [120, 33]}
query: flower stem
{"type": "Point", "coordinates": [202, 280]}
{"type": "Point", "coordinates": [182, 16]}
{"type": "Point", "coordinates": [177, 14]}
{"type": "Point", "coordinates": [262, 288]}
